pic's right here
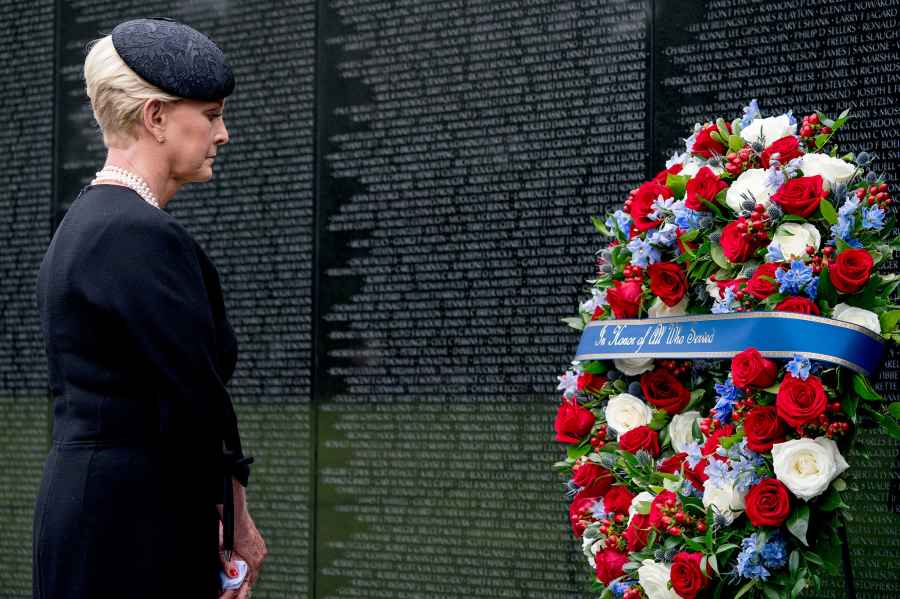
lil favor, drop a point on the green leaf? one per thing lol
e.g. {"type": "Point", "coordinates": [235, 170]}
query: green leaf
{"type": "Point", "coordinates": [828, 211]}
{"type": "Point", "coordinates": [863, 388]}
{"type": "Point", "coordinates": [735, 142]}
{"type": "Point", "coordinates": [821, 140]}
{"type": "Point", "coordinates": [718, 137]}
{"type": "Point", "coordinates": [712, 206]}
{"type": "Point", "coordinates": [826, 289]}
{"type": "Point", "coordinates": [770, 592]}
{"type": "Point", "coordinates": [832, 501]}
{"type": "Point", "coordinates": [849, 404]}
{"type": "Point", "coordinates": [594, 367]}
{"type": "Point", "coordinates": [889, 321]}
{"type": "Point", "coordinates": [677, 183]}
{"type": "Point", "coordinates": [801, 584]}
{"type": "Point", "coordinates": [722, 127]}
{"type": "Point", "coordinates": [576, 451]}
{"type": "Point", "coordinates": [794, 562]}
{"type": "Point", "coordinates": [894, 410]}
{"type": "Point", "coordinates": [575, 322]}
{"type": "Point", "coordinates": [773, 389]}
{"type": "Point", "coordinates": [601, 228]}
{"type": "Point", "coordinates": [745, 589]}
{"type": "Point", "coordinates": [718, 256]}
{"type": "Point", "coordinates": [659, 420]}
{"type": "Point", "coordinates": [690, 235]}
{"type": "Point", "coordinates": [798, 523]}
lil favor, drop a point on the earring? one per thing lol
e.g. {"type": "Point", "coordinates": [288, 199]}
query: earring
{"type": "Point", "coordinates": [161, 140]}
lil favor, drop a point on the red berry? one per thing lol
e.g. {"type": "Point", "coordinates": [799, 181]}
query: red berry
{"type": "Point", "coordinates": [814, 119]}
{"type": "Point", "coordinates": [826, 130]}
{"type": "Point", "coordinates": [675, 531]}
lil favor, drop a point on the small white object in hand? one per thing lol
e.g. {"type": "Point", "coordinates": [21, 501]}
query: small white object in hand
{"type": "Point", "coordinates": [233, 582]}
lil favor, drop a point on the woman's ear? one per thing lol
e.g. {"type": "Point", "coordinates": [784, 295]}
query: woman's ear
{"type": "Point", "coordinates": [155, 118]}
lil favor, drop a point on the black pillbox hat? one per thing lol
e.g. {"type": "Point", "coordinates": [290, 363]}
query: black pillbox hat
{"type": "Point", "coordinates": [175, 58]}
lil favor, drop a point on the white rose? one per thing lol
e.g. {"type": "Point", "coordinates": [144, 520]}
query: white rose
{"type": "Point", "coordinates": [792, 239]}
{"type": "Point", "coordinates": [590, 547]}
{"type": "Point", "coordinates": [625, 412]}
{"type": "Point", "coordinates": [633, 366]}
{"type": "Point", "coordinates": [751, 183]}
{"type": "Point", "coordinates": [863, 318]}
{"type": "Point", "coordinates": [654, 579]}
{"type": "Point", "coordinates": [728, 501]}
{"type": "Point", "coordinates": [681, 430]}
{"type": "Point", "coordinates": [689, 169]}
{"type": "Point", "coordinates": [658, 309]}
{"type": "Point", "coordinates": [642, 497]}
{"type": "Point", "coordinates": [807, 466]}
{"type": "Point", "coordinates": [772, 129]}
{"type": "Point", "coordinates": [832, 170]}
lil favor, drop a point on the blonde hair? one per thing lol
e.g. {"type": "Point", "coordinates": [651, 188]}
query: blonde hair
{"type": "Point", "coordinates": [117, 93]}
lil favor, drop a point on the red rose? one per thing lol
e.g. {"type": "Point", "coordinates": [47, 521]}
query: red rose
{"type": "Point", "coordinates": [586, 473]}
{"type": "Point", "coordinates": [705, 185]}
{"type": "Point", "coordinates": [799, 402]}
{"type": "Point", "coordinates": [573, 422]}
{"type": "Point", "coordinates": [800, 196]}
{"type": "Point", "coordinates": [590, 382]}
{"type": "Point", "coordinates": [736, 246]}
{"type": "Point", "coordinates": [609, 565]}
{"type": "Point", "coordinates": [763, 428]}
{"type": "Point", "coordinates": [687, 579]}
{"type": "Point", "coordinates": [665, 499]}
{"type": "Point", "coordinates": [750, 369]}
{"type": "Point", "coordinates": [712, 442]}
{"type": "Point", "coordinates": [664, 391]}
{"type": "Point", "coordinates": [724, 284]}
{"type": "Point", "coordinates": [768, 503]}
{"type": "Point", "coordinates": [798, 304]}
{"type": "Point", "coordinates": [787, 149]}
{"type": "Point", "coordinates": [598, 487]}
{"type": "Point", "coordinates": [641, 437]}
{"type": "Point", "coordinates": [705, 145]}
{"type": "Point", "coordinates": [640, 205]}
{"type": "Point", "coordinates": [618, 499]}
{"type": "Point", "coordinates": [668, 282]}
{"type": "Point", "coordinates": [850, 272]}
{"type": "Point", "coordinates": [759, 287]}
{"type": "Point", "coordinates": [663, 175]}
{"type": "Point", "coordinates": [638, 532]}
{"type": "Point", "coordinates": [598, 313]}
{"type": "Point", "coordinates": [580, 514]}
{"type": "Point", "coordinates": [697, 475]}
{"type": "Point", "coordinates": [625, 299]}
{"type": "Point", "coordinates": [672, 464]}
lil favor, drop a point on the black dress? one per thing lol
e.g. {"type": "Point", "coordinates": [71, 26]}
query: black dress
{"type": "Point", "coordinates": [139, 352]}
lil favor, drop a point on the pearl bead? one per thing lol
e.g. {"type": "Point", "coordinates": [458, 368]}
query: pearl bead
{"type": "Point", "coordinates": [130, 180]}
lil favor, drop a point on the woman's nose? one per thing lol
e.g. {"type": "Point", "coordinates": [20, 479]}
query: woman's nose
{"type": "Point", "coordinates": [222, 135]}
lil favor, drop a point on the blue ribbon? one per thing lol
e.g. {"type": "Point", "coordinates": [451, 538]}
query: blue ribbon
{"type": "Point", "coordinates": [774, 334]}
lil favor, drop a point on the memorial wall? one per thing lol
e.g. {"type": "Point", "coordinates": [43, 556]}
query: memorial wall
{"type": "Point", "coordinates": [26, 188]}
{"type": "Point", "coordinates": [399, 221]}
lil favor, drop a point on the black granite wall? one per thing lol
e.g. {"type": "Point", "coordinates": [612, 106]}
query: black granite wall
{"type": "Point", "coordinates": [400, 220]}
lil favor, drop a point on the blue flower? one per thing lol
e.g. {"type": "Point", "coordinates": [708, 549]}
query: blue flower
{"type": "Point", "coordinates": [694, 455]}
{"type": "Point", "coordinates": [728, 394]}
{"type": "Point", "coordinates": [660, 207]}
{"type": "Point", "coordinates": [724, 305]}
{"type": "Point", "coordinates": [642, 253]}
{"type": "Point", "coordinates": [598, 510]}
{"type": "Point", "coordinates": [618, 588]}
{"type": "Point", "coordinates": [873, 218]}
{"type": "Point", "coordinates": [848, 208]}
{"type": "Point", "coordinates": [685, 218]}
{"type": "Point", "coordinates": [791, 118]}
{"type": "Point", "coordinates": [749, 561]}
{"type": "Point", "coordinates": [797, 279]}
{"type": "Point", "coordinates": [718, 473]}
{"type": "Point", "coordinates": [665, 236]}
{"type": "Point", "coordinates": [774, 178]}
{"type": "Point", "coordinates": [751, 111]}
{"type": "Point", "coordinates": [799, 367]}
{"type": "Point", "coordinates": [620, 219]}
{"type": "Point", "coordinates": [774, 552]}
{"type": "Point", "coordinates": [774, 253]}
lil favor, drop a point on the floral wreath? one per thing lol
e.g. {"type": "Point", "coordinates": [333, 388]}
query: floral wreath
{"type": "Point", "coordinates": [705, 477]}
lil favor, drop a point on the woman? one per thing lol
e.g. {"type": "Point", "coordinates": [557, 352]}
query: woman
{"type": "Point", "coordinates": [145, 439]}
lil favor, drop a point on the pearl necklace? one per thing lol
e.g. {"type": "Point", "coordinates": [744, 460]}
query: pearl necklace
{"type": "Point", "coordinates": [129, 179]}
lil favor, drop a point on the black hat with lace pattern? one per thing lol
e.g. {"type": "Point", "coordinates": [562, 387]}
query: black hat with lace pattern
{"type": "Point", "coordinates": [174, 57]}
